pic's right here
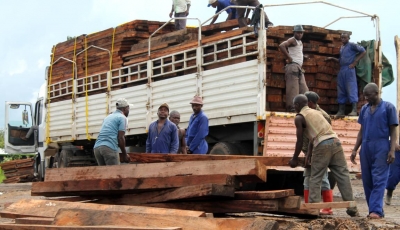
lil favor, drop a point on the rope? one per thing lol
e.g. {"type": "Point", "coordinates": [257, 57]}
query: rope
{"type": "Point", "coordinates": [86, 94]}
{"type": "Point", "coordinates": [73, 82]}
{"type": "Point", "coordinates": [48, 97]}
{"type": "Point", "coordinates": [109, 80]}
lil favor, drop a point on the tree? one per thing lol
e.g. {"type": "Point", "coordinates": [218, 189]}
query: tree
{"type": "Point", "coordinates": [1, 139]}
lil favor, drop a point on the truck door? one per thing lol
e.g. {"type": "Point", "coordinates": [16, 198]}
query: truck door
{"type": "Point", "coordinates": [18, 123]}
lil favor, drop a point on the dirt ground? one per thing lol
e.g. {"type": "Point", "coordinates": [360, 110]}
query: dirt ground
{"type": "Point", "coordinates": [10, 193]}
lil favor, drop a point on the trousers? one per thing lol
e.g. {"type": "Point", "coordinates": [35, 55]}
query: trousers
{"type": "Point", "coordinates": [295, 84]}
{"type": "Point", "coordinates": [347, 90]}
{"type": "Point", "coordinates": [394, 173]}
{"type": "Point", "coordinates": [106, 156]}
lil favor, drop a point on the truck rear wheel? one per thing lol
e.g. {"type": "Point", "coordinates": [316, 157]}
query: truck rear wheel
{"type": "Point", "coordinates": [225, 148]}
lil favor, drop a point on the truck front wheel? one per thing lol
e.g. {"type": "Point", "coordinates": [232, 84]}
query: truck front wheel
{"type": "Point", "coordinates": [225, 148]}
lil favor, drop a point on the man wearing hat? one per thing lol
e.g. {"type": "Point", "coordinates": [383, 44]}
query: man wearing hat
{"type": "Point", "coordinates": [112, 136]}
{"type": "Point", "coordinates": [197, 129]}
{"type": "Point", "coordinates": [220, 5]}
{"type": "Point", "coordinates": [163, 134]}
{"type": "Point", "coordinates": [327, 195]}
{"type": "Point", "coordinates": [294, 76]}
{"type": "Point", "coordinates": [180, 8]}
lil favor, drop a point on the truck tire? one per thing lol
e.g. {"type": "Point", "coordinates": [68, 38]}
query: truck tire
{"type": "Point", "coordinates": [225, 148]}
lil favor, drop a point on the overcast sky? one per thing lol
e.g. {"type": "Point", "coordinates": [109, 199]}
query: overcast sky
{"type": "Point", "coordinates": [30, 28]}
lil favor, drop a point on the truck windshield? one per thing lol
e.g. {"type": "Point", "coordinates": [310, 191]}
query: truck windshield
{"type": "Point", "coordinates": [20, 116]}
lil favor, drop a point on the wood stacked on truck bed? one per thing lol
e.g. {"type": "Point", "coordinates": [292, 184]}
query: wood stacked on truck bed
{"type": "Point", "coordinates": [18, 170]}
{"type": "Point", "coordinates": [320, 76]}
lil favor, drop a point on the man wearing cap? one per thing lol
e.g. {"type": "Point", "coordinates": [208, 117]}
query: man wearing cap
{"type": "Point", "coordinates": [220, 5]}
{"type": "Point", "coordinates": [163, 134]}
{"type": "Point", "coordinates": [180, 8]}
{"type": "Point", "coordinates": [350, 54]}
{"type": "Point", "coordinates": [327, 195]}
{"type": "Point", "coordinates": [242, 19]}
{"type": "Point", "coordinates": [198, 129]}
{"type": "Point", "coordinates": [294, 76]}
{"type": "Point", "coordinates": [112, 136]}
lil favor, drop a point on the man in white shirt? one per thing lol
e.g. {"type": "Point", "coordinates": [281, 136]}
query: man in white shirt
{"type": "Point", "coordinates": [181, 9]}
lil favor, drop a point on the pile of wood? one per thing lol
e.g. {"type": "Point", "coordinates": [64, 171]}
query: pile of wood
{"type": "Point", "coordinates": [320, 75]}
{"type": "Point", "coordinates": [18, 171]}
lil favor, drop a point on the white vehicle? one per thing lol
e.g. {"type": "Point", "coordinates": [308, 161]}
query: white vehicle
{"type": "Point", "coordinates": [234, 101]}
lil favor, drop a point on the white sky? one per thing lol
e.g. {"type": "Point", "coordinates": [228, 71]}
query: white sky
{"type": "Point", "coordinates": [29, 29]}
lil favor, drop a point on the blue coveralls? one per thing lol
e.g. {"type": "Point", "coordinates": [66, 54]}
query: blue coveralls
{"type": "Point", "coordinates": [196, 133]}
{"type": "Point", "coordinates": [394, 173]}
{"type": "Point", "coordinates": [166, 141]}
{"type": "Point", "coordinates": [222, 4]}
{"type": "Point", "coordinates": [347, 79]}
{"type": "Point", "coordinates": [375, 147]}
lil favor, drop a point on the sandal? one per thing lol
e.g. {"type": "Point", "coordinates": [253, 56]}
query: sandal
{"type": "Point", "coordinates": [373, 215]}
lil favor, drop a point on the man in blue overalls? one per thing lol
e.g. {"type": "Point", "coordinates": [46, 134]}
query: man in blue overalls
{"type": "Point", "coordinates": [350, 54]}
{"type": "Point", "coordinates": [198, 129]}
{"type": "Point", "coordinates": [394, 176]}
{"type": "Point", "coordinates": [220, 5]}
{"type": "Point", "coordinates": [378, 121]}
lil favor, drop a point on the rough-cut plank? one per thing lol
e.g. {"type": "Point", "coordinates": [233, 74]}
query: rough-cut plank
{"type": "Point", "coordinates": [299, 212]}
{"type": "Point", "coordinates": [125, 185]}
{"type": "Point", "coordinates": [196, 191]}
{"type": "Point", "coordinates": [157, 158]}
{"type": "Point", "coordinates": [34, 220]}
{"type": "Point", "coordinates": [341, 204]}
{"type": "Point", "coordinates": [44, 208]}
{"type": "Point", "coordinates": [244, 169]}
{"type": "Point", "coordinates": [223, 206]}
{"type": "Point", "coordinates": [79, 217]}
{"type": "Point", "coordinates": [289, 202]}
{"type": "Point", "coordinates": [263, 195]}
{"type": "Point", "coordinates": [10, 226]}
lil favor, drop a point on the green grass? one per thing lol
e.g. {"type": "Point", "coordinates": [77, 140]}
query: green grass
{"type": "Point", "coordinates": [2, 176]}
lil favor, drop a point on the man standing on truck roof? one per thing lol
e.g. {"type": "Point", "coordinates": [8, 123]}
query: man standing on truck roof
{"type": "Point", "coordinates": [294, 74]}
{"type": "Point", "coordinates": [242, 19]}
{"type": "Point", "coordinates": [350, 54]}
{"type": "Point", "coordinates": [198, 129]}
{"type": "Point", "coordinates": [220, 5]}
{"type": "Point", "coordinates": [180, 8]}
{"type": "Point", "coordinates": [163, 134]}
{"type": "Point", "coordinates": [326, 151]}
{"type": "Point", "coordinates": [112, 136]}
{"type": "Point", "coordinates": [327, 195]}
{"type": "Point", "coordinates": [378, 120]}
{"type": "Point", "coordinates": [175, 117]}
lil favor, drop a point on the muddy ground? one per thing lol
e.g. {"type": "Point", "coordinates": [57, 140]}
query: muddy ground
{"type": "Point", "coordinates": [339, 221]}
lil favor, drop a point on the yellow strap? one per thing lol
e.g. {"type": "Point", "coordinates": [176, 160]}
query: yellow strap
{"type": "Point", "coordinates": [109, 80]}
{"type": "Point", "coordinates": [48, 140]}
{"type": "Point", "coordinates": [73, 82]}
{"type": "Point", "coordinates": [86, 94]}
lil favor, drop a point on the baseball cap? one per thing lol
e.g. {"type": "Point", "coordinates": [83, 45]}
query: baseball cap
{"type": "Point", "coordinates": [211, 2]}
{"type": "Point", "coordinates": [122, 103]}
{"type": "Point", "coordinates": [164, 105]}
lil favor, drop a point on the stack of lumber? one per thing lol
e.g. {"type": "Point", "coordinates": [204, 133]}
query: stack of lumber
{"type": "Point", "coordinates": [18, 171]}
{"type": "Point", "coordinates": [320, 76]}
{"type": "Point", "coordinates": [118, 40]}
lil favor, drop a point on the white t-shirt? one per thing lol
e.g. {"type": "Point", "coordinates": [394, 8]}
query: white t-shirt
{"type": "Point", "coordinates": [180, 6]}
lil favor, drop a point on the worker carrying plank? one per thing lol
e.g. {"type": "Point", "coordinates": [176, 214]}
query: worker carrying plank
{"type": "Point", "coordinates": [180, 8]}
{"type": "Point", "coordinates": [327, 152]}
{"type": "Point", "coordinates": [197, 129]}
{"type": "Point", "coordinates": [112, 136]}
{"type": "Point", "coordinates": [220, 5]}
{"type": "Point", "coordinates": [163, 134]}
{"type": "Point", "coordinates": [350, 54]}
{"type": "Point", "coordinates": [294, 74]}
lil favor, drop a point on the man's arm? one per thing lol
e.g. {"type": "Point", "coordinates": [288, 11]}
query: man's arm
{"type": "Point", "coordinates": [187, 7]}
{"type": "Point", "coordinates": [393, 138]}
{"type": "Point", "coordinates": [357, 59]}
{"type": "Point", "coordinates": [148, 140]}
{"type": "Point", "coordinates": [174, 140]}
{"type": "Point", "coordinates": [214, 19]}
{"type": "Point", "coordinates": [284, 48]}
{"type": "Point", "coordinates": [229, 16]}
{"type": "Point", "coordinates": [201, 134]}
{"type": "Point", "coordinates": [172, 11]}
{"type": "Point", "coordinates": [356, 146]}
{"type": "Point", "coordinates": [299, 122]}
{"type": "Point", "coordinates": [183, 142]}
{"type": "Point", "coordinates": [121, 144]}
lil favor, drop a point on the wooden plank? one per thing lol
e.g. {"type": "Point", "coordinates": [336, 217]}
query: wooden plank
{"type": "Point", "coordinates": [263, 195]}
{"type": "Point", "coordinates": [223, 206]}
{"type": "Point", "coordinates": [341, 204]}
{"type": "Point", "coordinates": [157, 158]}
{"type": "Point", "coordinates": [301, 212]}
{"type": "Point", "coordinates": [126, 185]}
{"type": "Point", "coordinates": [35, 220]}
{"type": "Point", "coordinates": [244, 169]}
{"type": "Point", "coordinates": [79, 217]}
{"type": "Point", "coordinates": [45, 208]}
{"type": "Point", "coordinates": [10, 226]}
{"type": "Point", "coordinates": [289, 202]}
{"type": "Point", "coordinates": [196, 191]}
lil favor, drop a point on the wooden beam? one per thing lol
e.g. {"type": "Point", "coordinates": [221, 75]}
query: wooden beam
{"type": "Point", "coordinates": [126, 185]}
{"type": "Point", "coordinates": [79, 217]}
{"type": "Point", "coordinates": [289, 202]}
{"type": "Point", "coordinates": [158, 158]}
{"type": "Point", "coordinates": [246, 170]}
{"type": "Point", "coordinates": [196, 192]}
{"type": "Point", "coordinates": [342, 204]}
{"type": "Point", "coordinates": [35, 220]}
{"type": "Point", "coordinates": [10, 226]}
{"type": "Point", "coordinates": [397, 46]}
{"type": "Point", "coordinates": [263, 195]}
{"type": "Point", "coordinates": [45, 208]}
{"type": "Point", "coordinates": [223, 206]}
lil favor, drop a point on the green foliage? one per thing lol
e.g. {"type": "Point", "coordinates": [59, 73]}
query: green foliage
{"type": "Point", "coordinates": [70, 38]}
{"type": "Point", "coordinates": [2, 176]}
{"type": "Point", "coordinates": [1, 139]}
